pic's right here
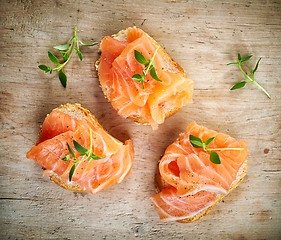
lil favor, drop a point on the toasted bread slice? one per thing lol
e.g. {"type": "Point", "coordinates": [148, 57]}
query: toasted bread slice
{"type": "Point", "coordinates": [169, 65]}
{"type": "Point", "coordinates": [160, 184]}
{"type": "Point", "coordinates": [66, 124]}
{"type": "Point", "coordinates": [76, 112]}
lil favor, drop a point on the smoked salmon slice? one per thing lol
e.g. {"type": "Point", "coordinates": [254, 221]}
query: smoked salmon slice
{"type": "Point", "coordinates": [193, 184]}
{"type": "Point", "coordinates": [155, 101]}
{"type": "Point", "coordinates": [60, 128]}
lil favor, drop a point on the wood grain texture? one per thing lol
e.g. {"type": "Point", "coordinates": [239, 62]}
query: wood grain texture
{"type": "Point", "coordinates": [202, 36]}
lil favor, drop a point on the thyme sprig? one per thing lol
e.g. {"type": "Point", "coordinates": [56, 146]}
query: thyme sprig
{"type": "Point", "coordinates": [148, 66]}
{"type": "Point", "coordinates": [87, 153]}
{"type": "Point", "coordinates": [67, 51]}
{"type": "Point", "coordinates": [250, 78]}
{"type": "Point", "coordinates": [214, 156]}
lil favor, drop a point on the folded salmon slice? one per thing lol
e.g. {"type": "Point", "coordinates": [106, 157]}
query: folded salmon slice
{"type": "Point", "coordinates": [128, 97]}
{"type": "Point", "coordinates": [59, 129]}
{"type": "Point", "coordinates": [189, 173]}
{"type": "Point", "coordinates": [171, 207]}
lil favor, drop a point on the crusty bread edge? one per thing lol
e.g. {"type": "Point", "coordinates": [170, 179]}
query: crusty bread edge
{"type": "Point", "coordinates": [76, 112]}
{"type": "Point", "coordinates": [172, 65]}
{"type": "Point", "coordinates": [160, 183]}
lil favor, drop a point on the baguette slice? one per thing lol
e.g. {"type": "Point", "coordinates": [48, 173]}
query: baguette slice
{"type": "Point", "coordinates": [180, 167]}
{"type": "Point", "coordinates": [66, 123]}
{"type": "Point", "coordinates": [158, 100]}
{"type": "Point", "coordinates": [161, 184]}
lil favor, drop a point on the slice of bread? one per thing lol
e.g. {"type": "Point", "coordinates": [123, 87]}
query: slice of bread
{"type": "Point", "coordinates": [76, 112]}
{"type": "Point", "coordinates": [160, 184]}
{"type": "Point", "coordinates": [169, 65]}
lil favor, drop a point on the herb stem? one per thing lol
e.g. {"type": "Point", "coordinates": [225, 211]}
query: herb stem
{"type": "Point", "coordinates": [253, 81]}
{"type": "Point", "coordinates": [221, 149]}
{"type": "Point", "coordinates": [260, 87]}
{"type": "Point", "coordinates": [63, 64]}
{"type": "Point", "coordinates": [151, 62]}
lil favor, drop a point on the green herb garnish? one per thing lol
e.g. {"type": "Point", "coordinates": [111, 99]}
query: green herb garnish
{"type": "Point", "coordinates": [148, 66]}
{"type": "Point", "coordinates": [66, 50]}
{"type": "Point", "coordinates": [250, 78]}
{"type": "Point", "coordinates": [88, 153]}
{"type": "Point", "coordinates": [214, 157]}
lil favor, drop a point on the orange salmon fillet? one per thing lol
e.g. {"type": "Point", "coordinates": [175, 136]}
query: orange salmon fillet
{"type": "Point", "coordinates": [188, 172]}
{"type": "Point", "coordinates": [59, 129]}
{"type": "Point", "coordinates": [127, 96]}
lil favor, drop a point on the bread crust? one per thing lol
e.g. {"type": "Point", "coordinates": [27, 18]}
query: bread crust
{"type": "Point", "coordinates": [160, 184]}
{"type": "Point", "coordinates": [76, 112]}
{"type": "Point", "coordinates": [170, 65]}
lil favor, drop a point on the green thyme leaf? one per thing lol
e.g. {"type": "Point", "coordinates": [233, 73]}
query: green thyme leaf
{"type": "Point", "coordinates": [89, 45]}
{"type": "Point", "coordinates": [153, 74]}
{"type": "Point", "coordinates": [62, 47]}
{"type": "Point", "coordinates": [139, 57]}
{"type": "Point", "coordinates": [245, 59]}
{"type": "Point", "coordinates": [63, 78]}
{"type": "Point", "coordinates": [65, 56]}
{"type": "Point", "coordinates": [80, 55]}
{"type": "Point", "coordinates": [239, 85]}
{"type": "Point", "coordinates": [83, 152]}
{"type": "Point", "coordinates": [66, 158]}
{"type": "Point", "coordinates": [95, 157]}
{"type": "Point", "coordinates": [239, 57]}
{"type": "Point", "coordinates": [53, 58]}
{"type": "Point", "coordinates": [70, 150]}
{"type": "Point", "coordinates": [215, 158]}
{"type": "Point", "coordinates": [148, 66]}
{"type": "Point", "coordinates": [137, 77]}
{"type": "Point", "coordinates": [195, 141]}
{"type": "Point", "coordinates": [231, 64]}
{"type": "Point", "coordinates": [79, 147]}
{"type": "Point", "coordinates": [71, 172]}
{"type": "Point", "coordinates": [209, 140]}
{"type": "Point", "coordinates": [44, 68]}
{"type": "Point", "coordinates": [257, 65]}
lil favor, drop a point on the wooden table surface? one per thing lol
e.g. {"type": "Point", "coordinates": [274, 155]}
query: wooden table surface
{"type": "Point", "coordinates": [202, 36]}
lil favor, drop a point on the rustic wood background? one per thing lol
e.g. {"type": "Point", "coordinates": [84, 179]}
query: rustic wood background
{"type": "Point", "coordinates": [203, 36]}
